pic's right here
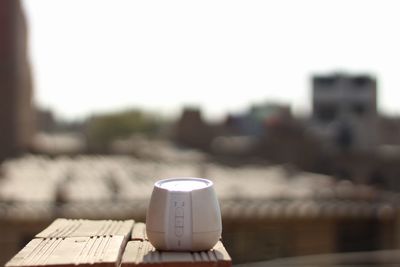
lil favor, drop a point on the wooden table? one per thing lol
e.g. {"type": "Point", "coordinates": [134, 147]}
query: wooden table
{"type": "Point", "coordinates": [66, 243]}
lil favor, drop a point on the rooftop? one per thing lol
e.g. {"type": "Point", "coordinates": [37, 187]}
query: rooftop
{"type": "Point", "coordinates": [120, 186]}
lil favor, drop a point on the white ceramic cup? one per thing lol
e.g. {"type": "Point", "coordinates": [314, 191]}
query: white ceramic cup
{"type": "Point", "coordinates": [183, 215]}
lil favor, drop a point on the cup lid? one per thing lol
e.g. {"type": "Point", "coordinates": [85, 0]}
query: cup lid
{"type": "Point", "coordinates": [183, 184]}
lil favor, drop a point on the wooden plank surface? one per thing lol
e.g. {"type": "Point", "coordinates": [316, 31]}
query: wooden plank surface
{"type": "Point", "coordinates": [224, 260]}
{"type": "Point", "coordinates": [139, 232]}
{"type": "Point", "coordinates": [67, 243]}
{"type": "Point", "coordinates": [86, 228]}
{"type": "Point", "coordinates": [96, 251]}
{"type": "Point", "coordinates": [142, 253]}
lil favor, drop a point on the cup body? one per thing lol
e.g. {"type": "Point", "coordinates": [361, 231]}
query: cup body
{"type": "Point", "coordinates": [183, 215]}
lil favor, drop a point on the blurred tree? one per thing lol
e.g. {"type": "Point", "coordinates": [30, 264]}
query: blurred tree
{"type": "Point", "coordinates": [103, 129]}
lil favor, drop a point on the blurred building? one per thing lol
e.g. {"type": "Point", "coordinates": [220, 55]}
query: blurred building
{"type": "Point", "coordinates": [192, 131]}
{"type": "Point", "coordinates": [16, 111]}
{"type": "Point", "coordinates": [345, 110]}
{"type": "Point", "coordinates": [261, 116]}
{"type": "Point", "coordinates": [389, 131]}
{"type": "Point", "coordinates": [45, 120]}
{"type": "Point", "coordinates": [358, 143]}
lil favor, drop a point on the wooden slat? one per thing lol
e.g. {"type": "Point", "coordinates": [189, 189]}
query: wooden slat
{"type": "Point", "coordinates": [142, 253]}
{"type": "Point", "coordinates": [139, 232]}
{"type": "Point", "coordinates": [86, 228]}
{"type": "Point", "coordinates": [223, 258]}
{"type": "Point", "coordinates": [137, 253]}
{"type": "Point", "coordinates": [67, 243]}
{"type": "Point", "coordinates": [68, 252]}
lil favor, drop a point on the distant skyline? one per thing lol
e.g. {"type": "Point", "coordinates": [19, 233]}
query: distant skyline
{"type": "Point", "coordinates": [94, 55]}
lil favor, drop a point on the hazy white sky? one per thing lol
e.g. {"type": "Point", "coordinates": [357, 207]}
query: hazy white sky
{"type": "Point", "coordinates": [94, 55]}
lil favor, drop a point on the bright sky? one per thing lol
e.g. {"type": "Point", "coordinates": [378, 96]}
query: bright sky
{"type": "Point", "coordinates": [94, 55]}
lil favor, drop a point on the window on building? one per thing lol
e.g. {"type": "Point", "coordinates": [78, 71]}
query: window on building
{"type": "Point", "coordinates": [324, 82]}
{"type": "Point", "coordinates": [360, 82]}
{"type": "Point", "coordinates": [359, 109]}
{"type": "Point", "coordinates": [326, 113]}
